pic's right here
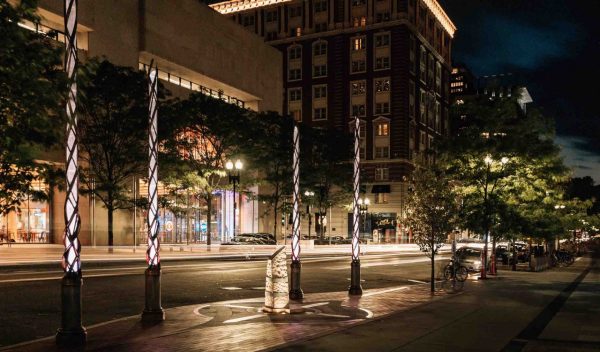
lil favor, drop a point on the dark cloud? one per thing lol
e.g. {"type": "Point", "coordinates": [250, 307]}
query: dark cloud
{"type": "Point", "coordinates": [554, 46]}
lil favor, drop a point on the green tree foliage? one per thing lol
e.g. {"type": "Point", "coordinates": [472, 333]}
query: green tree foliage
{"type": "Point", "coordinates": [432, 209]}
{"type": "Point", "coordinates": [113, 132]}
{"type": "Point", "coordinates": [507, 167]}
{"type": "Point", "coordinates": [32, 91]}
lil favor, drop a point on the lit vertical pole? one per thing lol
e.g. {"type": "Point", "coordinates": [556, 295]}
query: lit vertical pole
{"type": "Point", "coordinates": [295, 290]}
{"type": "Point", "coordinates": [355, 287]}
{"type": "Point", "coordinates": [153, 311]}
{"type": "Point", "coordinates": [71, 331]}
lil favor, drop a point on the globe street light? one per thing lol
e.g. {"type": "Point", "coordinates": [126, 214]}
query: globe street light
{"type": "Point", "coordinates": [309, 195]}
{"type": "Point", "coordinates": [234, 178]}
{"type": "Point", "coordinates": [363, 207]}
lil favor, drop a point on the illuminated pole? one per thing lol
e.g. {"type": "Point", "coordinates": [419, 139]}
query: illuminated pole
{"type": "Point", "coordinates": [295, 290]}
{"type": "Point", "coordinates": [355, 287]}
{"type": "Point", "coordinates": [153, 311]}
{"type": "Point", "coordinates": [71, 331]}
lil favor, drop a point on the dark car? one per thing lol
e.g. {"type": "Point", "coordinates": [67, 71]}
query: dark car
{"type": "Point", "coordinates": [503, 255]}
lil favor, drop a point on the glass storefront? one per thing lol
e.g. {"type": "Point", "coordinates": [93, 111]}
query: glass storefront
{"type": "Point", "coordinates": [30, 223]}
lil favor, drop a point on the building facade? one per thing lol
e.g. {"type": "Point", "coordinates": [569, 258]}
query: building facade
{"type": "Point", "coordinates": [195, 49]}
{"type": "Point", "coordinates": [385, 61]}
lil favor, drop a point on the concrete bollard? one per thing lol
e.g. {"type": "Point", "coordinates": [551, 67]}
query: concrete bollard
{"type": "Point", "coordinates": [276, 284]}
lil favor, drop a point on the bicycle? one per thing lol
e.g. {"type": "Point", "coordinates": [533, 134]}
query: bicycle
{"type": "Point", "coordinates": [456, 271]}
{"type": "Point", "coordinates": [564, 258]}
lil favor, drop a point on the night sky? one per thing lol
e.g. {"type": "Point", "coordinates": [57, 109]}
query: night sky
{"type": "Point", "coordinates": [554, 45]}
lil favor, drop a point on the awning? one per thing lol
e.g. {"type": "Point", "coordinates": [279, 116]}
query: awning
{"type": "Point", "coordinates": [380, 189]}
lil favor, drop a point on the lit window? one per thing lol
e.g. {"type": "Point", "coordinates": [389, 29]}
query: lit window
{"type": "Point", "coordinates": [358, 43]}
{"type": "Point", "coordinates": [383, 129]}
{"type": "Point", "coordinates": [381, 198]}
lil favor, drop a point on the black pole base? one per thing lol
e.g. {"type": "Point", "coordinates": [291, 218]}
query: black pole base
{"type": "Point", "coordinates": [71, 332]}
{"type": "Point", "coordinates": [295, 290]}
{"type": "Point", "coordinates": [153, 312]}
{"type": "Point", "coordinates": [355, 288]}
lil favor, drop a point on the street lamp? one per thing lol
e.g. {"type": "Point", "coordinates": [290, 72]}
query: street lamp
{"type": "Point", "coordinates": [234, 178]}
{"type": "Point", "coordinates": [309, 195]}
{"type": "Point", "coordinates": [363, 207]}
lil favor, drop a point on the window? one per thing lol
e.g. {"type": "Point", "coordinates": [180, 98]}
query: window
{"type": "Point", "coordinates": [382, 129]}
{"type": "Point", "coordinates": [382, 108]}
{"type": "Point", "coordinates": [271, 16]}
{"type": "Point", "coordinates": [320, 27]}
{"type": "Point", "coordinates": [423, 106]}
{"type": "Point", "coordinates": [358, 66]}
{"type": "Point", "coordinates": [321, 6]}
{"type": "Point", "coordinates": [382, 174]}
{"type": "Point", "coordinates": [295, 52]}
{"type": "Point", "coordinates": [320, 48]}
{"type": "Point", "coordinates": [248, 21]}
{"type": "Point", "coordinates": [298, 32]}
{"type": "Point", "coordinates": [319, 113]}
{"type": "Point", "coordinates": [358, 43]}
{"type": "Point", "coordinates": [382, 17]}
{"type": "Point", "coordinates": [411, 99]}
{"type": "Point", "coordinates": [295, 74]}
{"type": "Point", "coordinates": [382, 40]}
{"type": "Point", "coordinates": [320, 70]}
{"type": "Point", "coordinates": [295, 94]}
{"type": "Point", "coordinates": [358, 87]}
{"type": "Point", "coordinates": [295, 11]}
{"type": "Point", "coordinates": [413, 61]}
{"type": "Point", "coordinates": [271, 35]}
{"type": "Point", "coordinates": [382, 63]}
{"type": "Point", "coordinates": [382, 152]}
{"type": "Point", "coordinates": [381, 198]}
{"type": "Point", "coordinates": [438, 78]}
{"type": "Point", "coordinates": [382, 85]}
{"type": "Point", "coordinates": [423, 64]}
{"type": "Point", "coordinates": [358, 2]}
{"type": "Point", "coordinates": [320, 92]}
{"type": "Point", "coordinates": [358, 110]}
{"type": "Point", "coordinates": [422, 141]}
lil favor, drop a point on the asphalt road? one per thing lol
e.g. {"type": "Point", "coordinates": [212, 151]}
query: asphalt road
{"type": "Point", "coordinates": [30, 298]}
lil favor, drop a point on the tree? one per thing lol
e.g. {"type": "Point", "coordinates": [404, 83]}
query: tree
{"type": "Point", "coordinates": [32, 91]}
{"type": "Point", "coordinates": [501, 157]}
{"type": "Point", "coordinates": [432, 210]}
{"type": "Point", "coordinates": [113, 132]}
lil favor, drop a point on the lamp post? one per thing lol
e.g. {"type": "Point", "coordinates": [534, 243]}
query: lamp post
{"type": "Point", "coordinates": [488, 162]}
{"type": "Point", "coordinates": [234, 178]}
{"type": "Point", "coordinates": [153, 311]}
{"type": "Point", "coordinates": [296, 266]}
{"type": "Point", "coordinates": [363, 207]}
{"type": "Point", "coordinates": [71, 332]}
{"type": "Point", "coordinates": [355, 287]}
{"type": "Point", "coordinates": [309, 195]}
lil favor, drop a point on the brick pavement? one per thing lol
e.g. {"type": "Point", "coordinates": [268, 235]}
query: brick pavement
{"type": "Point", "coordinates": [241, 326]}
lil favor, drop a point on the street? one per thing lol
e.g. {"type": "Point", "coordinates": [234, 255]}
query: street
{"type": "Point", "coordinates": [31, 298]}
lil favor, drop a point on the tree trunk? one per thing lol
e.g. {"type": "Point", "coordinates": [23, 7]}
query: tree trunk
{"type": "Point", "coordinates": [275, 222]}
{"type": "Point", "coordinates": [432, 271]}
{"type": "Point", "coordinates": [494, 259]}
{"type": "Point", "coordinates": [110, 228]}
{"type": "Point", "coordinates": [208, 218]}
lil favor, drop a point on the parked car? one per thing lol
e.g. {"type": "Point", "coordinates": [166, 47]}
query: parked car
{"type": "Point", "coordinates": [470, 257]}
{"type": "Point", "coordinates": [503, 255]}
{"type": "Point", "coordinates": [260, 238]}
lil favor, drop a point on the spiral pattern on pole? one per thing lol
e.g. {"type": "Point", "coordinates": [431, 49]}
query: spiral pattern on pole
{"type": "Point", "coordinates": [296, 210]}
{"type": "Point", "coordinates": [71, 261]}
{"type": "Point", "coordinates": [152, 253]}
{"type": "Point", "coordinates": [355, 210]}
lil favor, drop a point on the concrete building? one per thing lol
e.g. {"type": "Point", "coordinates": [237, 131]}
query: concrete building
{"type": "Point", "coordinates": [385, 61]}
{"type": "Point", "coordinates": [196, 49]}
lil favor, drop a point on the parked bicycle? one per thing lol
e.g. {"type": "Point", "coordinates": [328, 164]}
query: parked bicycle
{"type": "Point", "coordinates": [563, 258]}
{"type": "Point", "coordinates": [454, 270]}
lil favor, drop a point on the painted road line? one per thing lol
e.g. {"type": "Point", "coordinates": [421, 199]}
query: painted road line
{"type": "Point", "coordinates": [315, 305]}
{"type": "Point", "coordinates": [237, 320]}
{"type": "Point", "coordinates": [385, 291]}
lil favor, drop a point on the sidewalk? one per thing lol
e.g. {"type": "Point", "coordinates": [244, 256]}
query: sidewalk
{"type": "Point", "coordinates": [555, 310]}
